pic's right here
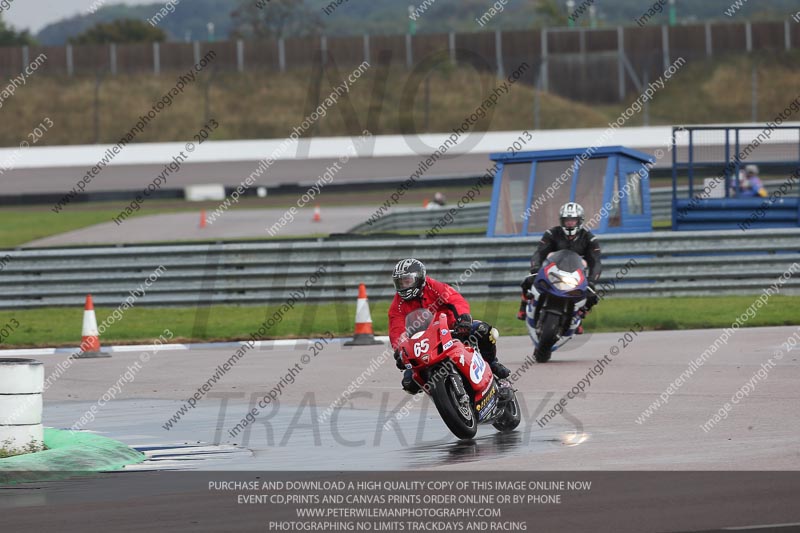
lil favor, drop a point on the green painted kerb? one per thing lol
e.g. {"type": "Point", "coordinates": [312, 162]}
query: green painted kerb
{"type": "Point", "coordinates": [69, 453]}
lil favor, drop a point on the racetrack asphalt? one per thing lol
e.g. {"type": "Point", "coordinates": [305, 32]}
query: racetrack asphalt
{"type": "Point", "coordinates": [598, 431]}
{"type": "Point", "coordinates": [233, 173]}
{"type": "Point", "coordinates": [759, 433]}
{"type": "Point", "coordinates": [232, 224]}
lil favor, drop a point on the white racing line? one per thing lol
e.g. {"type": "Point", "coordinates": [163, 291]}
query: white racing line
{"type": "Point", "coordinates": [186, 456]}
{"type": "Point", "coordinates": [280, 343]}
{"type": "Point", "coordinates": [795, 526]}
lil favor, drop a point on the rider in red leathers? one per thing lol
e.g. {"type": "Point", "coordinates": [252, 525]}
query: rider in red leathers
{"type": "Point", "coordinates": [414, 291]}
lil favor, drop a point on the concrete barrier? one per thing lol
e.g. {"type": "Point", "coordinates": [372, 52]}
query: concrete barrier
{"type": "Point", "coordinates": [21, 385]}
{"type": "Point", "coordinates": [202, 193]}
{"type": "Point", "coordinates": [85, 156]}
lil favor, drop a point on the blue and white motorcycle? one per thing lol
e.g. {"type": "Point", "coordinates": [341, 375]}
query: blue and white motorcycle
{"type": "Point", "coordinates": [555, 298]}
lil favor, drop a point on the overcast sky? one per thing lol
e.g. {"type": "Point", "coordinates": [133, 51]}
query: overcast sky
{"type": "Point", "coordinates": [35, 14]}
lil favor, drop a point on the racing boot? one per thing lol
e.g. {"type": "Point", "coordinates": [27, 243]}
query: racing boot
{"type": "Point", "coordinates": [408, 383]}
{"type": "Point", "coordinates": [499, 369]}
{"type": "Point", "coordinates": [582, 312]}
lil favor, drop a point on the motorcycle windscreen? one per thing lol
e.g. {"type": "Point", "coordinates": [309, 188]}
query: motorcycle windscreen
{"type": "Point", "coordinates": [418, 320]}
{"type": "Point", "coordinates": [567, 260]}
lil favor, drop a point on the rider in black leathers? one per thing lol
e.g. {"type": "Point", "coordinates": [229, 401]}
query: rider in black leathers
{"type": "Point", "coordinates": [570, 235]}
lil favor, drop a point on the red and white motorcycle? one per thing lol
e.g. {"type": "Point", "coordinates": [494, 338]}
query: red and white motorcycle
{"type": "Point", "coordinates": [457, 378]}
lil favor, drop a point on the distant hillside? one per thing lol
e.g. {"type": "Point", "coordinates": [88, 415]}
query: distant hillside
{"type": "Point", "coordinates": [264, 104]}
{"type": "Point", "coordinates": [189, 20]}
{"type": "Point", "coordinates": [355, 17]}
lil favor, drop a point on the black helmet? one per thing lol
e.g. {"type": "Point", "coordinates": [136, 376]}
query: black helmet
{"type": "Point", "coordinates": [570, 217]}
{"type": "Point", "coordinates": [409, 278]}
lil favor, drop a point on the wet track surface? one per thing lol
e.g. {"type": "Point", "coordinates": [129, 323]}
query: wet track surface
{"type": "Point", "coordinates": [597, 431]}
{"type": "Point", "coordinates": [356, 439]}
{"type": "Point", "coordinates": [599, 428]}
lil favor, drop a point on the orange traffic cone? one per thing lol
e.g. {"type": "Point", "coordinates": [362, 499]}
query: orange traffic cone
{"type": "Point", "coordinates": [90, 339]}
{"type": "Point", "coordinates": [317, 216]}
{"type": "Point", "coordinates": [363, 335]}
{"type": "Point", "coordinates": [202, 218]}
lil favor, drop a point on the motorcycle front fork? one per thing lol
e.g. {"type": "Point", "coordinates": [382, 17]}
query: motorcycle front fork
{"type": "Point", "coordinates": [458, 385]}
{"type": "Point", "coordinates": [453, 375]}
{"type": "Point", "coordinates": [567, 309]}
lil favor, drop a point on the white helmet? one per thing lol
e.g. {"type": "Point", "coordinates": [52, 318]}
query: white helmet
{"type": "Point", "coordinates": [570, 217]}
{"type": "Point", "coordinates": [751, 169]}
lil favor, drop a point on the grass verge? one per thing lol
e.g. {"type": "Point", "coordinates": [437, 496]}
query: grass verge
{"type": "Point", "coordinates": [18, 226]}
{"type": "Point", "coordinates": [61, 327]}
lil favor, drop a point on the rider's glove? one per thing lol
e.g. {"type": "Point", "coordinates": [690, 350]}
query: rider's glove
{"type": "Point", "coordinates": [463, 325]}
{"type": "Point", "coordinates": [398, 361]}
{"type": "Point", "coordinates": [592, 298]}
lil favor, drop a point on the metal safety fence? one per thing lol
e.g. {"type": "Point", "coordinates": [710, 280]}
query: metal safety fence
{"type": "Point", "coordinates": [666, 264]}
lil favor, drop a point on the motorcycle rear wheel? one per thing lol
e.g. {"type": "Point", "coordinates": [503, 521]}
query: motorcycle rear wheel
{"type": "Point", "coordinates": [444, 398]}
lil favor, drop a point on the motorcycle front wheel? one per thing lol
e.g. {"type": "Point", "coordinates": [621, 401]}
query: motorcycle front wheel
{"type": "Point", "coordinates": [460, 419]}
{"type": "Point", "coordinates": [551, 325]}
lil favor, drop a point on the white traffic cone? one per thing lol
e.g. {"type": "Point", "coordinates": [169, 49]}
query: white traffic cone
{"type": "Point", "coordinates": [363, 335]}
